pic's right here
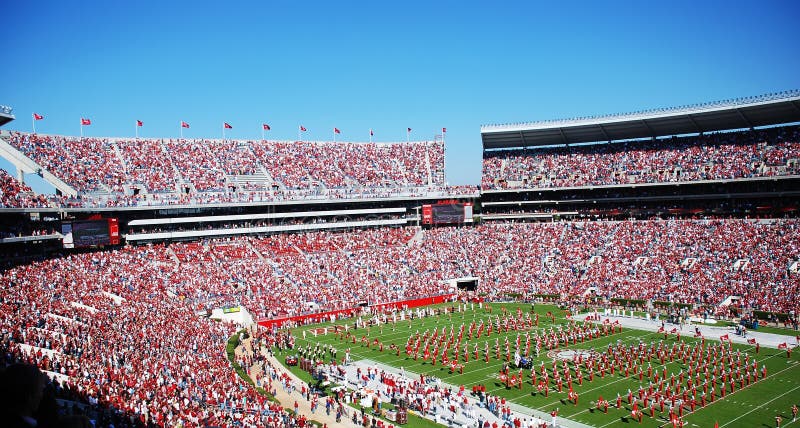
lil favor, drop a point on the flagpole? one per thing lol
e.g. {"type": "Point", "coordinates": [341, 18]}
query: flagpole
{"type": "Point", "coordinates": [33, 122]}
{"type": "Point", "coordinates": [81, 128]}
{"type": "Point", "coordinates": [262, 132]}
{"type": "Point", "coordinates": [136, 128]}
{"type": "Point", "coordinates": [408, 135]}
{"type": "Point", "coordinates": [334, 135]}
{"type": "Point", "coordinates": [181, 125]}
{"type": "Point", "coordinates": [223, 131]}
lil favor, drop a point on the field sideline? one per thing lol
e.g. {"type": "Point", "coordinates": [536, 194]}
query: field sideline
{"type": "Point", "coordinates": [755, 405]}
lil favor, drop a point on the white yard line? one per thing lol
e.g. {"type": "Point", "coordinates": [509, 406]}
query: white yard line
{"type": "Point", "coordinates": [762, 405]}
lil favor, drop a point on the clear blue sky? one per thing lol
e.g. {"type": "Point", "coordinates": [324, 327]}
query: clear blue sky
{"type": "Point", "coordinates": [381, 65]}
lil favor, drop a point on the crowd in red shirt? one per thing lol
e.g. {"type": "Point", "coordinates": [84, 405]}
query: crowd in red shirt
{"type": "Point", "coordinates": [158, 166]}
{"type": "Point", "coordinates": [121, 327]}
{"type": "Point", "coordinates": [14, 194]}
{"type": "Point", "coordinates": [746, 154]}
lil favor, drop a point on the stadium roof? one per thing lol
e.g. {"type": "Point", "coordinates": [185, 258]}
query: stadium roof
{"type": "Point", "coordinates": [6, 114]}
{"type": "Point", "coordinates": [770, 109]}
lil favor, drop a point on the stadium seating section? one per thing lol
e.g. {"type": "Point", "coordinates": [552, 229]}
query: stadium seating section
{"type": "Point", "coordinates": [119, 172]}
{"type": "Point", "coordinates": [122, 167]}
{"type": "Point", "coordinates": [14, 194]}
{"type": "Point", "coordinates": [121, 326]}
{"type": "Point", "coordinates": [745, 154]}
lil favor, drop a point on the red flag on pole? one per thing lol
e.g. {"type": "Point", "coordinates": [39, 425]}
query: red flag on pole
{"type": "Point", "coordinates": [751, 341]}
{"type": "Point", "coordinates": [139, 123]}
{"type": "Point", "coordinates": [783, 345]}
{"type": "Point", "coordinates": [409, 129]}
{"type": "Point", "coordinates": [184, 124]}
{"type": "Point", "coordinates": [337, 131]}
{"type": "Point", "coordinates": [724, 337]}
{"type": "Point", "coordinates": [226, 125]}
{"type": "Point", "coordinates": [303, 128]}
{"type": "Point", "coordinates": [85, 122]}
{"type": "Point", "coordinates": [444, 130]}
{"type": "Point", "coordinates": [37, 116]}
{"type": "Point", "coordinates": [266, 127]}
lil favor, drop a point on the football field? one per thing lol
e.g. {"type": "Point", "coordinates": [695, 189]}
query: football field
{"type": "Point", "coordinates": [655, 375]}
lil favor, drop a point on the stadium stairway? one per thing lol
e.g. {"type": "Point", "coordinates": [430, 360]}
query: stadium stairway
{"type": "Point", "coordinates": [103, 191]}
{"type": "Point", "coordinates": [63, 318]}
{"type": "Point", "coordinates": [51, 354]}
{"type": "Point", "coordinates": [117, 299]}
{"type": "Point", "coordinates": [548, 265]}
{"type": "Point", "coordinates": [402, 171]}
{"type": "Point", "coordinates": [418, 237]}
{"type": "Point", "coordinates": [172, 255]}
{"type": "Point", "coordinates": [688, 263]}
{"type": "Point", "coordinates": [728, 300]}
{"type": "Point", "coordinates": [598, 256]}
{"type": "Point", "coordinates": [262, 180]}
{"type": "Point", "coordinates": [740, 264]}
{"type": "Point", "coordinates": [87, 308]}
{"type": "Point", "coordinates": [27, 165]}
{"type": "Point", "coordinates": [249, 245]}
{"type": "Point", "coordinates": [177, 173]}
{"type": "Point", "coordinates": [563, 235]}
{"type": "Point", "coordinates": [119, 156]}
{"type": "Point", "coordinates": [428, 167]}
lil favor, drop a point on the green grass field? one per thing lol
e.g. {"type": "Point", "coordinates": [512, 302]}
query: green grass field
{"type": "Point", "coordinates": [754, 406]}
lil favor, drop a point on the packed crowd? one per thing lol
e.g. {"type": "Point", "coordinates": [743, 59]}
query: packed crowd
{"type": "Point", "coordinates": [88, 164]}
{"type": "Point", "coordinates": [745, 154]}
{"type": "Point", "coordinates": [121, 348]}
{"type": "Point", "coordinates": [120, 329]}
{"type": "Point", "coordinates": [702, 262]}
{"type": "Point", "coordinates": [14, 194]}
{"type": "Point", "coordinates": [147, 165]}
{"type": "Point", "coordinates": [170, 166]}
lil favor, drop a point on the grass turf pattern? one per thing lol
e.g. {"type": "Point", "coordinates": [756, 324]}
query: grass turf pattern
{"type": "Point", "coordinates": [755, 405]}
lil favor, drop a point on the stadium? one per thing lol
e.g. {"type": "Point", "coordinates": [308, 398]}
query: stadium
{"type": "Point", "coordinates": [627, 268]}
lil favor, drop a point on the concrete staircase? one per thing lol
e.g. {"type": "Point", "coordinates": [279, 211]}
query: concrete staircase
{"type": "Point", "coordinates": [27, 165]}
{"type": "Point", "coordinates": [242, 182]}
